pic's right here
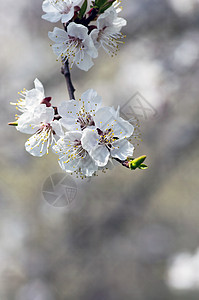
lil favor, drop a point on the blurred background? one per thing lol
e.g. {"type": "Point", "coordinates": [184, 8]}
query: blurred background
{"type": "Point", "coordinates": [128, 235]}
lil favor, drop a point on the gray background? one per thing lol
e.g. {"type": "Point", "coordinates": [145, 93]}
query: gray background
{"type": "Point", "coordinates": [117, 239]}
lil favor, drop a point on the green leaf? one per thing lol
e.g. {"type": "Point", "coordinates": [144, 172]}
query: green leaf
{"type": "Point", "coordinates": [83, 9]}
{"type": "Point", "coordinates": [143, 167]}
{"type": "Point", "coordinates": [105, 6]}
{"type": "Point", "coordinates": [100, 3]}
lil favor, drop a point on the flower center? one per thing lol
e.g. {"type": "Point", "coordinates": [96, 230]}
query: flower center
{"type": "Point", "coordinates": [44, 137]}
{"type": "Point", "coordinates": [85, 120]}
{"type": "Point", "coordinates": [106, 137]}
{"type": "Point", "coordinates": [73, 151]}
{"type": "Point", "coordinates": [110, 40]}
{"type": "Point", "coordinates": [75, 41]}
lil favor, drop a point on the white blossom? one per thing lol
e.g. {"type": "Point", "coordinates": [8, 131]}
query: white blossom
{"type": "Point", "coordinates": [39, 122]}
{"type": "Point", "coordinates": [75, 45]}
{"type": "Point", "coordinates": [59, 10]}
{"type": "Point", "coordinates": [72, 156]}
{"type": "Point", "coordinates": [109, 138]}
{"type": "Point", "coordinates": [77, 115]}
{"type": "Point", "coordinates": [29, 99]}
{"type": "Point", "coordinates": [108, 33]}
{"type": "Point", "coordinates": [116, 6]}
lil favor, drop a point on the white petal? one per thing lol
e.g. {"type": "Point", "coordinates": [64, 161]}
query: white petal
{"type": "Point", "coordinates": [90, 47]}
{"type": "Point", "coordinates": [70, 124]}
{"type": "Point", "coordinates": [48, 115]}
{"type": "Point", "coordinates": [56, 126]}
{"type": "Point", "coordinates": [76, 2]}
{"type": "Point", "coordinates": [107, 117]}
{"type": "Point", "coordinates": [59, 49]}
{"type": "Point", "coordinates": [26, 123]}
{"type": "Point", "coordinates": [69, 166]}
{"type": "Point", "coordinates": [122, 128]}
{"type": "Point", "coordinates": [92, 101]}
{"type": "Point", "coordinates": [94, 35]}
{"type": "Point", "coordinates": [72, 136]}
{"type": "Point", "coordinates": [119, 23]}
{"type": "Point", "coordinates": [58, 35]}
{"type": "Point", "coordinates": [104, 118]}
{"type": "Point", "coordinates": [122, 149]}
{"type": "Point", "coordinates": [89, 139]}
{"type": "Point", "coordinates": [67, 17]}
{"type": "Point", "coordinates": [88, 166]}
{"type": "Point", "coordinates": [77, 30]}
{"type": "Point", "coordinates": [39, 85]}
{"type": "Point", "coordinates": [35, 146]}
{"type": "Point", "coordinates": [69, 109]}
{"type": "Point", "coordinates": [30, 121]}
{"type": "Point", "coordinates": [48, 7]}
{"type": "Point", "coordinates": [84, 64]}
{"type": "Point", "coordinates": [52, 17]}
{"type": "Point", "coordinates": [100, 155]}
{"type": "Point", "coordinates": [33, 98]}
{"type": "Point", "coordinates": [106, 19]}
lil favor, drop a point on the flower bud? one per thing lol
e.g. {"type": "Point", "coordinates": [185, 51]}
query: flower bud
{"type": "Point", "coordinates": [137, 163]}
{"type": "Point", "coordinates": [13, 123]}
{"type": "Point", "coordinates": [46, 101]}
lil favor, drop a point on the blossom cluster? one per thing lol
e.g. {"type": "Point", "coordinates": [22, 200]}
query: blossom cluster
{"type": "Point", "coordinates": [87, 27]}
{"type": "Point", "coordinates": [85, 135]}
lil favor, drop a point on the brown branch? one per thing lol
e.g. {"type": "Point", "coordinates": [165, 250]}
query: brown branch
{"type": "Point", "coordinates": [66, 72]}
{"type": "Point", "coordinates": [124, 163]}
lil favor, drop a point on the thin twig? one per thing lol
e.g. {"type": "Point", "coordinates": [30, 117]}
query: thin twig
{"type": "Point", "coordinates": [124, 163]}
{"type": "Point", "coordinates": [66, 72]}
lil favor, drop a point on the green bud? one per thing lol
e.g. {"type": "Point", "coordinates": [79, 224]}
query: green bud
{"type": "Point", "coordinates": [137, 163]}
{"type": "Point", "coordinates": [13, 123]}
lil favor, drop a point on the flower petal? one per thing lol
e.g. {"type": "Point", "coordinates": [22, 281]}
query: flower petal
{"type": "Point", "coordinates": [52, 17]}
{"type": "Point", "coordinates": [30, 121]}
{"type": "Point", "coordinates": [103, 117]}
{"type": "Point", "coordinates": [89, 139]}
{"type": "Point", "coordinates": [56, 126]}
{"type": "Point", "coordinates": [70, 124]}
{"type": "Point", "coordinates": [88, 166]}
{"type": "Point", "coordinates": [67, 17]}
{"type": "Point", "coordinates": [58, 35]}
{"type": "Point", "coordinates": [39, 85]}
{"type": "Point", "coordinates": [122, 149]}
{"type": "Point", "coordinates": [48, 7]}
{"type": "Point", "coordinates": [35, 146]}
{"type": "Point", "coordinates": [69, 111]}
{"type": "Point", "coordinates": [77, 30]}
{"type": "Point", "coordinates": [107, 117]}
{"type": "Point", "coordinates": [91, 101]}
{"type": "Point", "coordinates": [84, 63]}
{"type": "Point", "coordinates": [100, 155]}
